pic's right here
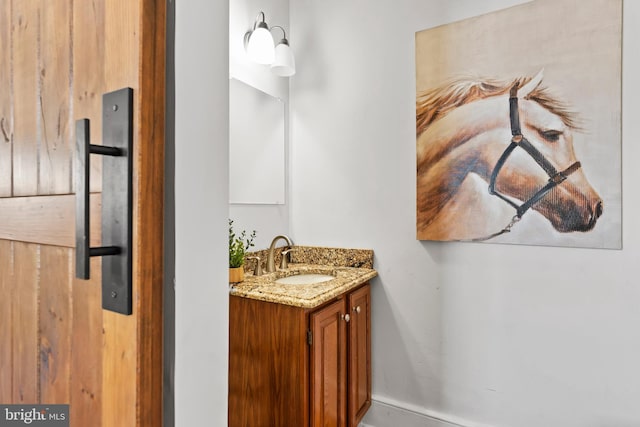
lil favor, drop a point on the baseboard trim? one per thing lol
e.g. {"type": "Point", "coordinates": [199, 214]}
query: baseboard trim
{"type": "Point", "coordinates": [386, 412]}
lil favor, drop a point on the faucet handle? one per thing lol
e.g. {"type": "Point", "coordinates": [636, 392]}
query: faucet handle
{"type": "Point", "coordinates": [284, 263]}
{"type": "Point", "coordinates": [258, 270]}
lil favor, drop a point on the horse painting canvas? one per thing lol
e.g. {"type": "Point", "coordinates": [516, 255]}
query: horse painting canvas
{"type": "Point", "coordinates": [521, 157]}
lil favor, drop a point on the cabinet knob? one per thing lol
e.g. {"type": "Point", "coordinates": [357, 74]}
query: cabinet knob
{"type": "Point", "coordinates": [346, 317]}
{"type": "Point", "coordinates": [357, 309]}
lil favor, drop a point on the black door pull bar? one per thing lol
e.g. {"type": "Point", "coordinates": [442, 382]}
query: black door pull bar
{"type": "Point", "coordinates": [117, 168]}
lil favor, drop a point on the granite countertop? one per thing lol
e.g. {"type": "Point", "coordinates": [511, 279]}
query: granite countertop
{"type": "Point", "coordinates": [351, 268]}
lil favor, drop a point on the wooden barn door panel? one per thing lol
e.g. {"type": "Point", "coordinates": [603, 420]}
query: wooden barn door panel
{"type": "Point", "coordinates": [57, 59]}
{"type": "Point", "coordinates": [24, 87]}
{"type": "Point", "coordinates": [6, 323]}
{"type": "Point", "coordinates": [25, 323]}
{"type": "Point", "coordinates": [54, 315]}
{"type": "Point", "coordinates": [6, 107]}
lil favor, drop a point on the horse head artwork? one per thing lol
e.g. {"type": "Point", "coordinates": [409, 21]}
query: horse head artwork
{"type": "Point", "coordinates": [487, 147]}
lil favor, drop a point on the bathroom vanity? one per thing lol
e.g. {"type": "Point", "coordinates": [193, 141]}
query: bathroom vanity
{"type": "Point", "coordinates": [300, 354]}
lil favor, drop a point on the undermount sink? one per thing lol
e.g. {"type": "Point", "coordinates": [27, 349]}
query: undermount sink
{"type": "Point", "coordinates": [304, 279]}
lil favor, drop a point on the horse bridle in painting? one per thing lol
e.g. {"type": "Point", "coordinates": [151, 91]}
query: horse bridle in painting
{"type": "Point", "coordinates": [518, 140]}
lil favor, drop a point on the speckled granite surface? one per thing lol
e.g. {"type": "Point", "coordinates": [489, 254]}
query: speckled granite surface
{"type": "Point", "coordinates": [351, 267]}
{"type": "Point", "coordinates": [336, 257]}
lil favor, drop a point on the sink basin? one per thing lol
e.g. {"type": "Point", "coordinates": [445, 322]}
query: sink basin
{"type": "Point", "coordinates": [304, 279]}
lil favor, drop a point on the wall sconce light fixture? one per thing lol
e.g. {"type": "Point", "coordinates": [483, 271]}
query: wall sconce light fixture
{"type": "Point", "coordinates": [261, 49]}
{"type": "Point", "coordinates": [284, 65]}
{"type": "Point", "coordinates": [259, 43]}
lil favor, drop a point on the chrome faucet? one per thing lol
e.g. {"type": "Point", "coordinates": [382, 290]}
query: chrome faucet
{"type": "Point", "coordinates": [271, 265]}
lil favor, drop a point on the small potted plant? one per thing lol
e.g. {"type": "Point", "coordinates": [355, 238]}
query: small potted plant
{"type": "Point", "coordinates": [238, 246]}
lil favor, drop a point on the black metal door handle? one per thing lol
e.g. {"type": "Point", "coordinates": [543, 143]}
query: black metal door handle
{"type": "Point", "coordinates": [117, 139]}
{"type": "Point", "coordinates": [83, 168]}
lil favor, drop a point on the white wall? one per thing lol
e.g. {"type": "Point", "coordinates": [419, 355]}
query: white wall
{"type": "Point", "coordinates": [475, 334]}
{"type": "Point", "coordinates": [267, 220]}
{"type": "Point", "coordinates": [201, 205]}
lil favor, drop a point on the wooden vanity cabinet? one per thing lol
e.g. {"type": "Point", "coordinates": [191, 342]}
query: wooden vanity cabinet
{"type": "Point", "coordinates": [359, 381]}
{"type": "Point", "coordinates": [291, 366]}
{"type": "Point", "coordinates": [329, 366]}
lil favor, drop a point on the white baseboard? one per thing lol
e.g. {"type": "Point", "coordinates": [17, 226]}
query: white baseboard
{"type": "Point", "coordinates": [386, 412]}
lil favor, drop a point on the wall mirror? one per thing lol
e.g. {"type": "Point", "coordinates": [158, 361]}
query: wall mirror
{"type": "Point", "coordinates": [256, 146]}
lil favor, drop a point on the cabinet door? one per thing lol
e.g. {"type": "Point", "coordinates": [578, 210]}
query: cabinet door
{"type": "Point", "coordinates": [359, 354]}
{"type": "Point", "coordinates": [329, 366]}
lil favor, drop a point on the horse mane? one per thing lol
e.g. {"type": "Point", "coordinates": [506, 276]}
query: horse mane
{"type": "Point", "coordinates": [435, 103]}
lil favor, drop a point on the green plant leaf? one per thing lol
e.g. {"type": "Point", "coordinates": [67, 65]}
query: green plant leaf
{"type": "Point", "coordinates": [238, 245]}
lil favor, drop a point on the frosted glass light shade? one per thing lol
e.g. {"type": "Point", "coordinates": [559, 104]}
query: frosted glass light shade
{"type": "Point", "coordinates": [260, 45]}
{"type": "Point", "coordinates": [284, 64]}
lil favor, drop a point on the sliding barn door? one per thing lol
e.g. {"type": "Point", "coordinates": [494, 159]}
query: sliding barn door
{"type": "Point", "coordinates": [57, 344]}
